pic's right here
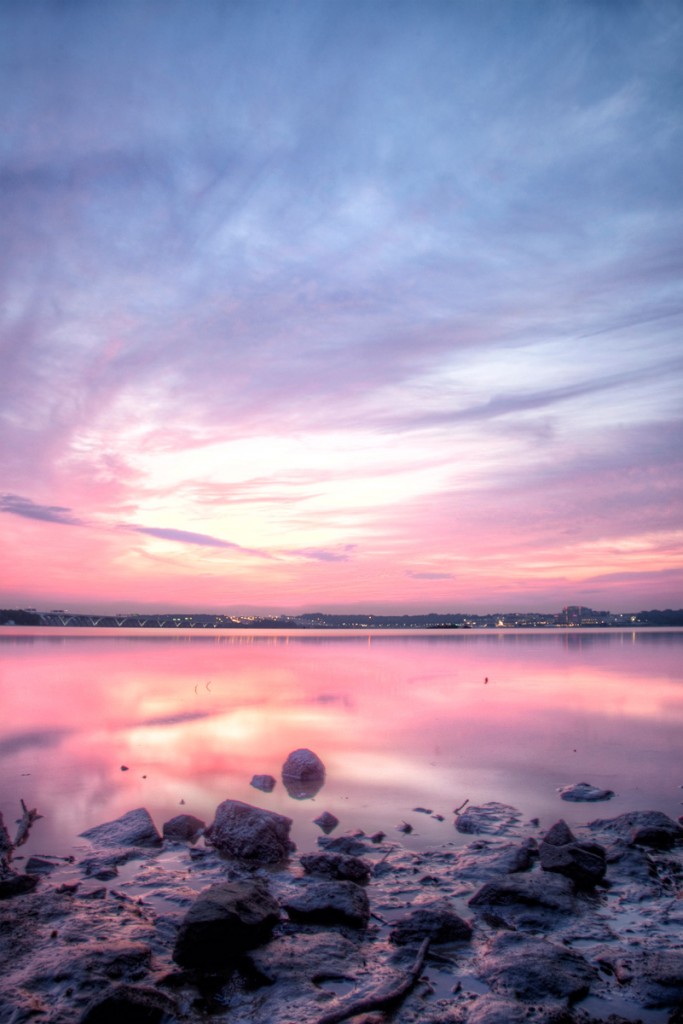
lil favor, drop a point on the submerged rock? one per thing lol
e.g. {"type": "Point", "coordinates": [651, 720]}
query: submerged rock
{"type": "Point", "coordinates": [583, 791]}
{"type": "Point", "coordinates": [330, 903]}
{"type": "Point", "coordinates": [491, 818]}
{"type": "Point", "coordinates": [266, 783]}
{"type": "Point", "coordinates": [135, 828]}
{"type": "Point", "coordinates": [223, 922]}
{"type": "Point", "coordinates": [251, 833]}
{"type": "Point", "coordinates": [526, 901]}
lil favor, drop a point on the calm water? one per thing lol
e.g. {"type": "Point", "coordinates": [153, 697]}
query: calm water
{"type": "Point", "coordinates": [400, 720]}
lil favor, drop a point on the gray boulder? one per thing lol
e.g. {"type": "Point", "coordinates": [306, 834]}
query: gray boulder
{"type": "Point", "coordinates": [560, 852]}
{"type": "Point", "coordinates": [583, 791]}
{"type": "Point", "coordinates": [435, 921]}
{"type": "Point", "coordinates": [250, 833]}
{"type": "Point", "coordinates": [135, 828]}
{"type": "Point", "coordinates": [303, 774]}
{"type": "Point", "coordinates": [330, 903]}
{"type": "Point", "coordinates": [534, 970]}
{"type": "Point", "coordinates": [184, 827]}
{"type": "Point", "coordinates": [339, 866]}
{"type": "Point", "coordinates": [223, 922]}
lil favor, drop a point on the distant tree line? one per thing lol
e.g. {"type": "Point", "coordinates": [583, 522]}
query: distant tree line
{"type": "Point", "coordinates": [19, 617]}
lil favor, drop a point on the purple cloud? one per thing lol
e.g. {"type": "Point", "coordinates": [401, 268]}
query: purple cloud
{"type": "Point", "coordinates": [18, 506]}
{"type": "Point", "coordinates": [189, 537]}
{"type": "Point", "coordinates": [430, 575]}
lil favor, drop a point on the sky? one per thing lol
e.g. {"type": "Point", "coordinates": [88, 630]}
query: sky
{"type": "Point", "coordinates": [328, 304]}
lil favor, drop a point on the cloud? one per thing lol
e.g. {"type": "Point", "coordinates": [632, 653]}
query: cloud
{"type": "Point", "coordinates": [430, 575]}
{"type": "Point", "coordinates": [28, 509]}
{"type": "Point", "coordinates": [188, 537]}
{"type": "Point", "coordinates": [324, 555]}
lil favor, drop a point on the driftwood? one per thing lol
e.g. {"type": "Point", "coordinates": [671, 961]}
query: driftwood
{"type": "Point", "coordinates": [7, 847]}
{"type": "Point", "coordinates": [354, 1005]}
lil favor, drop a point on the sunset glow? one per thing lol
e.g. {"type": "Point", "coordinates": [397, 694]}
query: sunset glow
{"type": "Point", "coordinates": [314, 306]}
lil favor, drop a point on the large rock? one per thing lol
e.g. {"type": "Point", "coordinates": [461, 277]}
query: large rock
{"type": "Point", "coordinates": [223, 922]}
{"type": "Point", "coordinates": [303, 774]}
{"type": "Point", "coordinates": [435, 921]}
{"type": "Point", "coordinates": [250, 833]}
{"type": "Point", "coordinates": [135, 828]}
{"type": "Point", "coordinates": [534, 970]}
{"type": "Point", "coordinates": [330, 903]}
{"type": "Point", "coordinates": [560, 852]}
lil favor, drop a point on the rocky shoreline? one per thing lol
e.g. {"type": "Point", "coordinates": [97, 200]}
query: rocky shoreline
{"type": "Point", "coordinates": [227, 922]}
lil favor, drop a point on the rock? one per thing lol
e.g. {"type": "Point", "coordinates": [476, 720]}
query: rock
{"type": "Point", "coordinates": [266, 783]}
{"type": "Point", "coordinates": [645, 828]}
{"type": "Point", "coordinates": [330, 903]}
{"type": "Point", "coordinates": [491, 818]}
{"type": "Point", "coordinates": [13, 884]}
{"type": "Point", "coordinates": [560, 852]}
{"type": "Point", "coordinates": [303, 774]}
{"type": "Point", "coordinates": [224, 921]}
{"type": "Point", "coordinates": [337, 866]}
{"type": "Point", "coordinates": [583, 791]}
{"type": "Point", "coordinates": [184, 827]}
{"type": "Point", "coordinates": [134, 1004]}
{"type": "Point", "coordinates": [251, 833]}
{"type": "Point", "coordinates": [311, 956]}
{"type": "Point", "coordinates": [436, 921]}
{"type": "Point", "coordinates": [40, 866]}
{"type": "Point", "coordinates": [327, 822]}
{"type": "Point", "coordinates": [526, 902]}
{"type": "Point", "coordinates": [135, 828]}
{"type": "Point", "coordinates": [485, 859]}
{"type": "Point", "coordinates": [351, 844]}
{"type": "Point", "coordinates": [491, 1009]}
{"type": "Point", "coordinates": [533, 969]}
{"type": "Point", "coordinates": [658, 974]}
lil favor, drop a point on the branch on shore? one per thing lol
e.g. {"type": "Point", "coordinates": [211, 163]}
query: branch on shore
{"type": "Point", "coordinates": [7, 847]}
{"type": "Point", "coordinates": [352, 1006]}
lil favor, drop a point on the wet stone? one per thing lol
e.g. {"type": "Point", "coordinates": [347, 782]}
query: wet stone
{"type": "Point", "coordinates": [339, 866]}
{"type": "Point", "coordinates": [224, 921]}
{"type": "Point", "coordinates": [266, 783]}
{"type": "Point", "coordinates": [330, 903]}
{"type": "Point", "coordinates": [250, 833]}
{"type": "Point", "coordinates": [135, 828]}
{"type": "Point", "coordinates": [584, 792]}
{"type": "Point", "coordinates": [533, 969]}
{"type": "Point", "coordinates": [184, 827]}
{"type": "Point", "coordinates": [129, 1003]}
{"type": "Point", "coordinates": [560, 852]}
{"type": "Point", "coordinates": [436, 921]}
{"type": "Point", "coordinates": [326, 822]}
{"type": "Point", "coordinates": [491, 818]}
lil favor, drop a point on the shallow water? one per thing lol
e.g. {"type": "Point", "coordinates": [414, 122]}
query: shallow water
{"type": "Point", "coordinates": [401, 720]}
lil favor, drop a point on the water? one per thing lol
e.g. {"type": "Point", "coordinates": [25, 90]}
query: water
{"type": "Point", "coordinates": [400, 720]}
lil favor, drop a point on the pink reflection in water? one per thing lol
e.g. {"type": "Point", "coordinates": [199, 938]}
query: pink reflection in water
{"type": "Point", "coordinates": [399, 720]}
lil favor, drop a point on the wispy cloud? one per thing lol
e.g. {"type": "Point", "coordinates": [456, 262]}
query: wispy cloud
{"type": "Point", "coordinates": [189, 537]}
{"type": "Point", "coordinates": [18, 506]}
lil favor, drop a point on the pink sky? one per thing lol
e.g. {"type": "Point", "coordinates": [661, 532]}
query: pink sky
{"type": "Point", "coordinates": [278, 335]}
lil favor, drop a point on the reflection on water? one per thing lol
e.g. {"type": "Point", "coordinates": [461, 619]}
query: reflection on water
{"type": "Point", "coordinates": [400, 721]}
